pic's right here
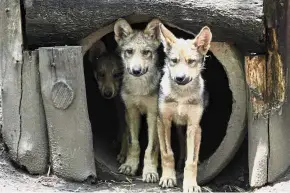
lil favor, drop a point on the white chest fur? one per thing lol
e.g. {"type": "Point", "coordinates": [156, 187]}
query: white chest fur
{"type": "Point", "coordinates": [180, 101]}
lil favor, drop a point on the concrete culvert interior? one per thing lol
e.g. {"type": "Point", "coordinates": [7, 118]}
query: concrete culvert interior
{"type": "Point", "coordinates": [222, 123]}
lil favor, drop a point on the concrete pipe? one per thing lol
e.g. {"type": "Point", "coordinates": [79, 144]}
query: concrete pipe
{"type": "Point", "coordinates": [223, 123]}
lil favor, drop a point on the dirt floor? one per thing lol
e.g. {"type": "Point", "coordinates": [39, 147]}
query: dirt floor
{"type": "Point", "coordinates": [13, 179]}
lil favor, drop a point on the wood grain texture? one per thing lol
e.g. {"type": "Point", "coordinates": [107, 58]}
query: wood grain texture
{"type": "Point", "coordinates": [69, 129]}
{"type": "Point", "coordinates": [33, 142]}
{"type": "Point", "coordinates": [278, 49]}
{"type": "Point", "coordinates": [256, 76]}
{"type": "Point", "coordinates": [11, 61]}
{"type": "Point", "coordinates": [258, 119]}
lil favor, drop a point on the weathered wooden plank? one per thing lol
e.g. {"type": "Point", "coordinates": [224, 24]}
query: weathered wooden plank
{"type": "Point", "coordinates": [258, 149]}
{"type": "Point", "coordinates": [64, 98]}
{"type": "Point", "coordinates": [268, 99]}
{"type": "Point", "coordinates": [255, 68]}
{"type": "Point", "coordinates": [23, 123]}
{"type": "Point", "coordinates": [256, 77]}
{"type": "Point", "coordinates": [278, 45]}
{"type": "Point", "coordinates": [11, 66]}
{"type": "Point", "coordinates": [235, 21]}
{"type": "Point", "coordinates": [33, 142]}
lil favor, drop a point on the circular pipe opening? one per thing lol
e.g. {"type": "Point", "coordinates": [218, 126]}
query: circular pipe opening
{"type": "Point", "coordinates": [222, 123]}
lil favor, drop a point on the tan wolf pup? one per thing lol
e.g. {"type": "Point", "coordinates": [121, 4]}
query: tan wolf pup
{"type": "Point", "coordinates": [138, 50]}
{"type": "Point", "coordinates": [108, 73]}
{"type": "Point", "coordinates": [182, 101]}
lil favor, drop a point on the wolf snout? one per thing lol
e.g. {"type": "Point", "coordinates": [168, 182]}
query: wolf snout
{"type": "Point", "coordinates": [181, 79]}
{"type": "Point", "coordinates": [108, 93]}
{"type": "Point", "coordinates": [138, 71]}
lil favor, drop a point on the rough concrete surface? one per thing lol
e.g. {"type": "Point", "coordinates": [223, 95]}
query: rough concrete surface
{"type": "Point", "coordinates": [232, 63]}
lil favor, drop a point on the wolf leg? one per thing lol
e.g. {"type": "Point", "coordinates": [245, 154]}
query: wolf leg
{"type": "Point", "coordinates": [193, 139]}
{"type": "Point", "coordinates": [132, 161]}
{"type": "Point", "coordinates": [151, 153]}
{"type": "Point", "coordinates": [168, 178]}
{"type": "Point", "coordinates": [121, 157]}
{"type": "Point", "coordinates": [123, 130]}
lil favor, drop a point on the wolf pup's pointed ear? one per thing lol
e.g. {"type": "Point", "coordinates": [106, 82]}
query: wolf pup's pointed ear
{"type": "Point", "coordinates": [167, 37]}
{"type": "Point", "coordinates": [122, 29]}
{"type": "Point", "coordinates": [202, 40]}
{"type": "Point", "coordinates": [152, 29]}
{"type": "Point", "coordinates": [97, 50]}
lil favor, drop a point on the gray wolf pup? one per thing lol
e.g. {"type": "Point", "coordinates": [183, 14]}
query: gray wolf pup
{"type": "Point", "coordinates": [138, 50]}
{"type": "Point", "coordinates": [108, 73]}
{"type": "Point", "coordinates": [182, 101]}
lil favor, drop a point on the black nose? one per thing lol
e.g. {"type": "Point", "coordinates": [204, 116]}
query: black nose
{"type": "Point", "coordinates": [108, 93]}
{"type": "Point", "coordinates": [137, 71]}
{"type": "Point", "coordinates": [180, 78]}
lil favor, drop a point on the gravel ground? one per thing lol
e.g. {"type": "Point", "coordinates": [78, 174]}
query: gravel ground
{"type": "Point", "coordinates": [13, 179]}
{"type": "Point", "coordinates": [283, 185]}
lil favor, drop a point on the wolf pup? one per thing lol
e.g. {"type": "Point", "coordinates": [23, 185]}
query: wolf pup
{"type": "Point", "coordinates": [138, 50]}
{"type": "Point", "coordinates": [181, 100]}
{"type": "Point", "coordinates": [108, 72]}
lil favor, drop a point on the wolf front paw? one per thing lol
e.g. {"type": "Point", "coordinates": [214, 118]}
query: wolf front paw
{"type": "Point", "coordinates": [150, 174]}
{"type": "Point", "coordinates": [190, 184]}
{"type": "Point", "coordinates": [189, 179]}
{"type": "Point", "coordinates": [167, 182]}
{"type": "Point", "coordinates": [168, 179]}
{"type": "Point", "coordinates": [150, 177]}
{"type": "Point", "coordinates": [128, 168]}
{"type": "Point", "coordinates": [189, 188]}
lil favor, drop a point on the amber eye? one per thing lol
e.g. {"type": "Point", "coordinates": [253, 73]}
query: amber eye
{"type": "Point", "coordinates": [174, 60]}
{"type": "Point", "coordinates": [146, 52]}
{"type": "Point", "coordinates": [129, 51]}
{"type": "Point", "coordinates": [190, 61]}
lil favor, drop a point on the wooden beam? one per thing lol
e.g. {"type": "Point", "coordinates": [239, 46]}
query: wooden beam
{"type": "Point", "coordinates": [258, 109]}
{"type": "Point", "coordinates": [24, 129]}
{"type": "Point", "coordinates": [33, 142]}
{"type": "Point", "coordinates": [278, 47]}
{"type": "Point", "coordinates": [11, 61]}
{"type": "Point", "coordinates": [64, 98]}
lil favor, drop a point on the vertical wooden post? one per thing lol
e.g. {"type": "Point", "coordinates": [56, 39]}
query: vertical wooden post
{"type": "Point", "coordinates": [33, 142]}
{"type": "Point", "coordinates": [64, 97]}
{"type": "Point", "coordinates": [277, 16]}
{"type": "Point", "coordinates": [11, 66]}
{"type": "Point", "coordinates": [269, 134]}
{"type": "Point", "coordinates": [24, 129]}
{"type": "Point", "coordinates": [258, 108]}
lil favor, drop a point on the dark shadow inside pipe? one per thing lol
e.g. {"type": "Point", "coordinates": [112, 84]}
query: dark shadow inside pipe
{"type": "Point", "coordinates": [104, 121]}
